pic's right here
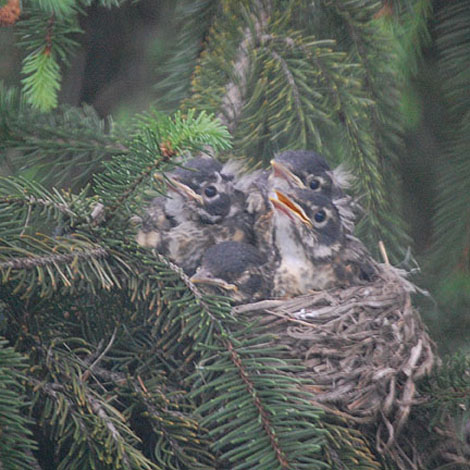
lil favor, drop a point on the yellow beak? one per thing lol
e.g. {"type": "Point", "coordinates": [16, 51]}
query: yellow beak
{"type": "Point", "coordinates": [202, 276]}
{"type": "Point", "coordinates": [281, 171]}
{"type": "Point", "coordinates": [283, 203]}
{"type": "Point", "coordinates": [175, 185]}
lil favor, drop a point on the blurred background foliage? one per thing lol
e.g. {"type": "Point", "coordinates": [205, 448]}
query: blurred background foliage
{"type": "Point", "coordinates": [125, 59]}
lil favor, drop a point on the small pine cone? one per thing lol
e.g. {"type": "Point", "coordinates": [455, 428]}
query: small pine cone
{"type": "Point", "coordinates": [10, 13]}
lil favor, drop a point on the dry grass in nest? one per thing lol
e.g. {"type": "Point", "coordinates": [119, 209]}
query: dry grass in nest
{"type": "Point", "coordinates": [363, 348]}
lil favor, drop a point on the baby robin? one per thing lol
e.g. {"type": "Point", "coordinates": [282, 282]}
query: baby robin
{"type": "Point", "coordinates": [236, 270]}
{"type": "Point", "coordinates": [311, 249]}
{"type": "Point", "coordinates": [204, 208]}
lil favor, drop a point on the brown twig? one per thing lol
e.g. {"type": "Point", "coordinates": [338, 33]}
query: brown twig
{"type": "Point", "coordinates": [53, 259]}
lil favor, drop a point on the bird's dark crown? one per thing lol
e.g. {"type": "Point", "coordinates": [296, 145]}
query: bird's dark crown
{"type": "Point", "coordinates": [303, 159]}
{"type": "Point", "coordinates": [196, 170]}
{"type": "Point", "coordinates": [233, 269]}
{"type": "Point", "coordinates": [312, 169]}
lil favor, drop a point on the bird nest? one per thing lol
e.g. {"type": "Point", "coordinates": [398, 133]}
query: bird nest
{"type": "Point", "coordinates": [363, 348]}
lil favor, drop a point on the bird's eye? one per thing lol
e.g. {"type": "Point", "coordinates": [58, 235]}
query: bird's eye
{"type": "Point", "coordinates": [320, 216]}
{"type": "Point", "coordinates": [315, 184]}
{"type": "Point", "coordinates": [210, 191]}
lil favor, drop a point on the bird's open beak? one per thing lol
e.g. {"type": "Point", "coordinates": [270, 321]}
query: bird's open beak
{"type": "Point", "coordinates": [281, 171]}
{"type": "Point", "coordinates": [286, 205]}
{"type": "Point", "coordinates": [202, 276]}
{"type": "Point", "coordinates": [180, 188]}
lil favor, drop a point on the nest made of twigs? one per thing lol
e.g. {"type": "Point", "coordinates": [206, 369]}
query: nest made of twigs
{"type": "Point", "coordinates": [363, 347]}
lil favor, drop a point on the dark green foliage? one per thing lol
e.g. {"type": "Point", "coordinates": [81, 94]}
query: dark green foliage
{"type": "Point", "coordinates": [440, 424]}
{"type": "Point", "coordinates": [452, 218]}
{"type": "Point", "coordinates": [258, 413]}
{"type": "Point", "coordinates": [83, 423]}
{"type": "Point", "coordinates": [44, 208]}
{"type": "Point", "coordinates": [128, 364]}
{"type": "Point", "coordinates": [105, 3]}
{"type": "Point", "coordinates": [283, 82]}
{"type": "Point", "coordinates": [16, 444]}
{"type": "Point", "coordinates": [447, 259]}
{"type": "Point", "coordinates": [376, 155]}
{"type": "Point", "coordinates": [191, 20]}
{"type": "Point", "coordinates": [43, 145]}
{"type": "Point", "coordinates": [56, 7]}
{"type": "Point", "coordinates": [450, 388]}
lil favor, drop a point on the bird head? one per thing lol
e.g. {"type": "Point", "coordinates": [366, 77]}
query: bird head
{"type": "Point", "coordinates": [305, 169]}
{"type": "Point", "coordinates": [201, 190]}
{"type": "Point", "coordinates": [310, 217]}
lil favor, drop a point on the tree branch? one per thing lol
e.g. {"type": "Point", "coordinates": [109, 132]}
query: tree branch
{"type": "Point", "coordinates": [235, 91]}
{"type": "Point", "coordinates": [33, 262]}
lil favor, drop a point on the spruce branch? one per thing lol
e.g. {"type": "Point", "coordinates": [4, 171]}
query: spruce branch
{"type": "Point", "coordinates": [158, 141]}
{"type": "Point", "coordinates": [57, 7]}
{"type": "Point", "coordinates": [45, 144]}
{"type": "Point", "coordinates": [49, 42]}
{"type": "Point", "coordinates": [241, 372]}
{"type": "Point", "coordinates": [99, 410]}
{"type": "Point", "coordinates": [130, 191]}
{"type": "Point", "coordinates": [16, 444]}
{"type": "Point", "coordinates": [376, 158]}
{"type": "Point", "coordinates": [83, 423]}
{"type": "Point", "coordinates": [302, 80]}
{"type": "Point", "coordinates": [234, 97]}
{"type": "Point", "coordinates": [439, 422]}
{"type": "Point", "coordinates": [264, 415]}
{"type": "Point", "coordinates": [178, 434]}
{"type": "Point", "coordinates": [42, 84]}
{"type": "Point", "coordinates": [27, 207]}
{"type": "Point", "coordinates": [231, 95]}
{"type": "Point", "coordinates": [161, 416]}
{"type": "Point", "coordinates": [450, 253]}
{"type": "Point", "coordinates": [223, 337]}
{"type": "Point", "coordinates": [256, 429]}
{"type": "Point", "coordinates": [322, 62]}
{"type": "Point", "coordinates": [192, 19]}
{"type": "Point", "coordinates": [51, 263]}
{"type": "Point", "coordinates": [111, 440]}
{"type": "Point", "coordinates": [31, 200]}
{"type": "Point", "coordinates": [103, 353]}
{"type": "Point", "coordinates": [52, 260]}
{"type": "Point", "coordinates": [290, 80]}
